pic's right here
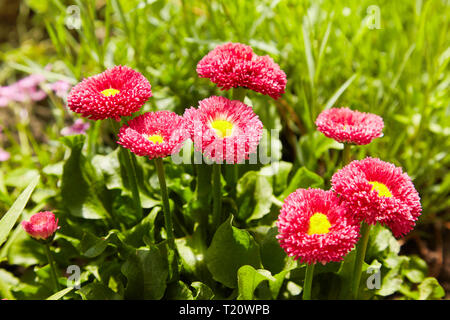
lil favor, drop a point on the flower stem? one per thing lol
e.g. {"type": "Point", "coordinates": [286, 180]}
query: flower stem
{"type": "Point", "coordinates": [128, 165]}
{"type": "Point", "coordinates": [359, 259]}
{"type": "Point", "coordinates": [92, 139]}
{"type": "Point", "coordinates": [131, 173]}
{"type": "Point", "coordinates": [165, 199]}
{"type": "Point", "coordinates": [52, 267]}
{"type": "Point", "coordinates": [308, 281]}
{"type": "Point", "coordinates": [239, 93]}
{"type": "Point", "coordinates": [346, 157]}
{"type": "Point", "coordinates": [173, 259]}
{"type": "Point", "coordinates": [217, 196]}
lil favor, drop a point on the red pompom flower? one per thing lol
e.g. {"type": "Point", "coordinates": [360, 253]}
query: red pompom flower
{"type": "Point", "coordinates": [348, 126]}
{"type": "Point", "coordinates": [115, 93]}
{"type": "Point", "coordinates": [224, 130]}
{"type": "Point", "coordinates": [233, 65]}
{"type": "Point", "coordinates": [313, 225]}
{"type": "Point", "coordinates": [42, 225]}
{"type": "Point", "coordinates": [378, 191]}
{"type": "Point", "coordinates": [153, 134]}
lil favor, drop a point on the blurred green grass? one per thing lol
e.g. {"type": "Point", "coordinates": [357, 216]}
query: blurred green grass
{"type": "Point", "coordinates": [331, 55]}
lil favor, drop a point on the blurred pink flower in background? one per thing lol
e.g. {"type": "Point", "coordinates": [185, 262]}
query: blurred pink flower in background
{"type": "Point", "coordinates": [61, 88]}
{"type": "Point", "coordinates": [78, 127]}
{"type": "Point", "coordinates": [23, 90]}
{"type": "Point", "coordinates": [4, 155]}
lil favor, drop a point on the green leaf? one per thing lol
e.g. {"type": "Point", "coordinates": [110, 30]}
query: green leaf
{"type": "Point", "coordinates": [146, 227]}
{"type": "Point", "coordinates": [170, 257]}
{"type": "Point", "coordinates": [20, 177]}
{"type": "Point", "coordinates": [92, 246]}
{"type": "Point", "coordinates": [273, 256]}
{"type": "Point", "coordinates": [393, 280]}
{"type": "Point", "coordinates": [276, 284]}
{"type": "Point", "coordinates": [254, 196]}
{"type": "Point", "coordinates": [78, 183]}
{"type": "Point", "coordinates": [202, 291]}
{"type": "Point", "coordinates": [40, 6]}
{"type": "Point", "coordinates": [179, 291]}
{"type": "Point", "coordinates": [303, 178]}
{"type": "Point", "coordinates": [7, 281]}
{"type": "Point", "coordinates": [416, 270]}
{"type": "Point", "coordinates": [9, 219]}
{"type": "Point", "coordinates": [98, 291]}
{"type": "Point", "coordinates": [430, 289]}
{"type": "Point", "coordinates": [381, 242]}
{"type": "Point", "coordinates": [21, 249]}
{"type": "Point", "coordinates": [192, 252]}
{"type": "Point", "coordinates": [249, 279]}
{"type": "Point", "coordinates": [280, 177]}
{"type": "Point", "coordinates": [345, 274]}
{"type": "Point", "coordinates": [146, 272]}
{"type": "Point", "coordinates": [230, 249]}
{"type": "Point", "coordinates": [60, 294]}
{"type": "Point", "coordinates": [109, 166]}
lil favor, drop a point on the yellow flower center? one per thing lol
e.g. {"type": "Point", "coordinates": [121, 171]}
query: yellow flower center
{"type": "Point", "coordinates": [318, 224]}
{"type": "Point", "coordinates": [109, 92]}
{"type": "Point", "coordinates": [381, 188]}
{"type": "Point", "coordinates": [156, 138]}
{"type": "Point", "coordinates": [223, 128]}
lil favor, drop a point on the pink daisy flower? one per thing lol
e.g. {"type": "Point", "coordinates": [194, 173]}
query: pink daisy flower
{"type": "Point", "coordinates": [313, 226]}
{"type": "Point", "coordinates": [378, 191]}
{"type": "Point", "coordinates": [42, 225]}
{"type": "Point", "coordinates": [348, 126]}
{"type": "Point", "coordinates": [224, 130]}
{"type": "Point", "coordinates": [233, 65]}
{"type": "Point", "coordinates": [153, 134]}
{"type": "Point", "coordinates": [115, 93]}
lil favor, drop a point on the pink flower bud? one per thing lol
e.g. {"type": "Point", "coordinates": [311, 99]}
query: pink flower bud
{"type": "Point", "coordinates": [41, 225]}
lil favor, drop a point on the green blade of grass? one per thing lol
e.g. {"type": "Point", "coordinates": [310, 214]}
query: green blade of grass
{"type": "Point", "coordinates": [10, 218]}
{"type": "Point", "coordinates": [308, 54]}
{"type": "Point", "coordinates": [60, 294]}
{"type": "Point", "coordinates": [339, 92]}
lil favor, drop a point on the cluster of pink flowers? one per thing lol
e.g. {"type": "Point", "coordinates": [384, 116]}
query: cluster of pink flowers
{"type": "Point", "coordinates": [23, 90]}
{"type": "Point", "coordinates": [222, 129]}
{"type": "Point", "coordinates": [369, 190]}
{"type": "Point", "coordinates": [29, 89]}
